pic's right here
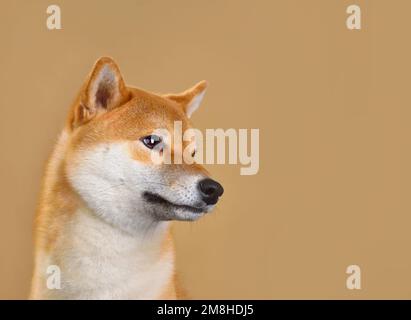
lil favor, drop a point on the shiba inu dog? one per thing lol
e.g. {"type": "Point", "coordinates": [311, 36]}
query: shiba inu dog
{"type": "Point", "coordinates": [105, 208]}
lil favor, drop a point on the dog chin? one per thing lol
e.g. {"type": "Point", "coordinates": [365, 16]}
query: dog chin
{"type": "Point", "coordinates": [160, 213]}
{"type": "Point", "coordinates": [187, 215]}
{"type": "Point", "coordinates": [164, 210]}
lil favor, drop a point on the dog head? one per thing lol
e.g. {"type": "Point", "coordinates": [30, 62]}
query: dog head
{"type": "Point", "coordinates": [114, 131]}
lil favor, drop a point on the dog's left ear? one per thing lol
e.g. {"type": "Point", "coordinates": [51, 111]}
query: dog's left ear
{"type": "Point", "coordinates": [103, 91]}
{"type": "Point", "coordinates": [190, 99]}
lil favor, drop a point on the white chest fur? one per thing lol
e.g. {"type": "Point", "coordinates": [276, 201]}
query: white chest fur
{"type": "Point", "coordinates": [98, 261]}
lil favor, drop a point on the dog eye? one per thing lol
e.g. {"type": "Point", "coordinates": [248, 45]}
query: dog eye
{"type": "Point", "coordinates": [151, 141]}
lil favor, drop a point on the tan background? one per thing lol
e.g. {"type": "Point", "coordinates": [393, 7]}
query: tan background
{"type": "Point", "coordinates": [333, 107]}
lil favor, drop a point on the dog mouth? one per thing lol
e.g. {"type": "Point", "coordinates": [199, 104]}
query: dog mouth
{"type": "Point", "coordinates": [159, 200]}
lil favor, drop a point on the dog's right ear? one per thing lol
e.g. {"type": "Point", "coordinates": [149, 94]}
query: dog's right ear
{"type": "Point", "coordinates": [103, 91]}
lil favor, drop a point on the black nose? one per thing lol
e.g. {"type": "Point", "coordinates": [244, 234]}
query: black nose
{"type": "Point", "coordinates": [210, 190]}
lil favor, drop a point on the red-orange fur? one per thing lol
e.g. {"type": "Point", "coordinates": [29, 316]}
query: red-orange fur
{"type": "Point", "coordinates": [127, 120]}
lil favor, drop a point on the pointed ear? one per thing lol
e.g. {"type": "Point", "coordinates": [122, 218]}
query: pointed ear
{"type": "Point", "coordinates": [103, 91]}
{"type": "Point", "coordinates": [190, 99]}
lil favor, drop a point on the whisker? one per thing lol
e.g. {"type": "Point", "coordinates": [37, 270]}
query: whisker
{"type": "Point", "coordinates": [162, 184]}
{"type": "Point", "coordinates": [111, 187]}
{"type": "Point", "coordinates": [147, 182]}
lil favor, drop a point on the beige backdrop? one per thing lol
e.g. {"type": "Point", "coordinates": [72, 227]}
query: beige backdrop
{"type": "Point", "coordinates": [333, 107]}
